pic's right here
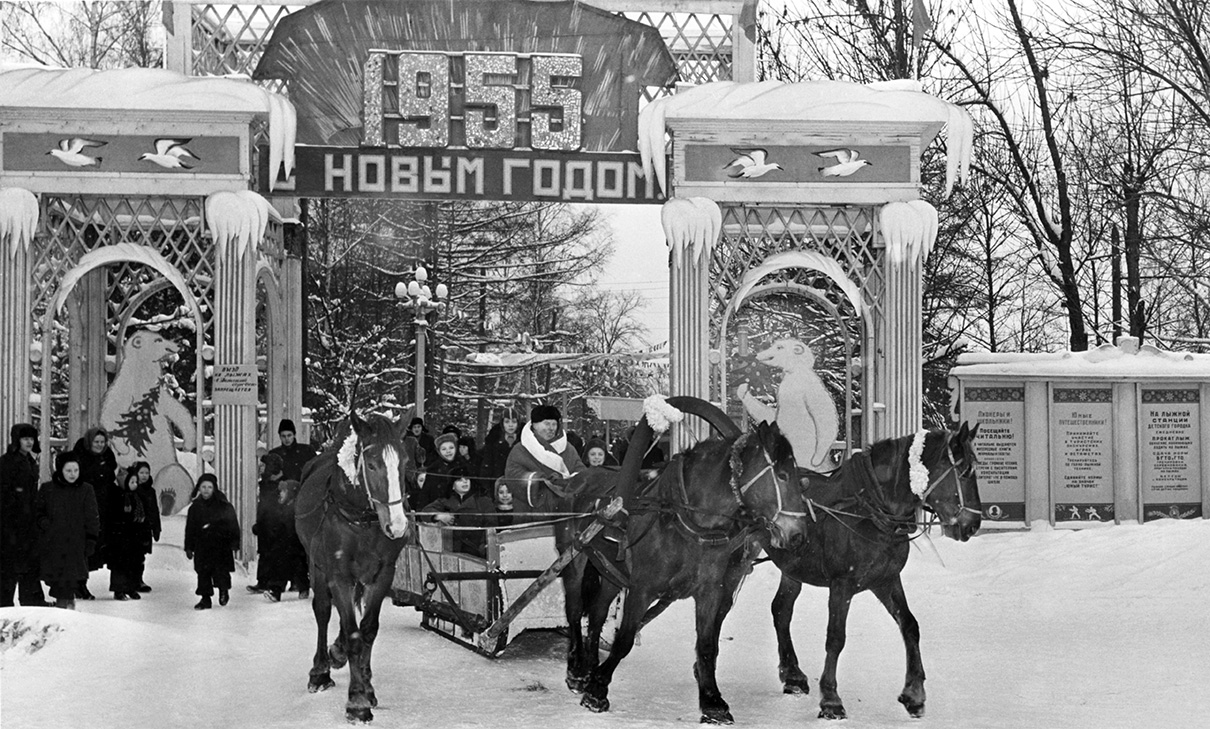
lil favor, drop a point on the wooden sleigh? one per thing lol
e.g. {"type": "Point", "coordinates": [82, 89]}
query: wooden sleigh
{"type": "Point", "coordinates": [484, 603]}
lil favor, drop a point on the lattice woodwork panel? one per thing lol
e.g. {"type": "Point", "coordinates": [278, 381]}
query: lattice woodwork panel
{"type": "Point", "coordinates": [74, 226]}
{"type": "Point", "coordinates": [231, 38]}
{"type": "Point", "coordinates": [752, 233]}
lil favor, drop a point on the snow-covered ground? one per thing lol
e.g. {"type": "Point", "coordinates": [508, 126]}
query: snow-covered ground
{"type": "Point", "coordinates": [1050, 628]}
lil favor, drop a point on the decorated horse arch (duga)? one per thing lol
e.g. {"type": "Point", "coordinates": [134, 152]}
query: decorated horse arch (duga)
{"type": "Point", "coordinates": [792, 210]}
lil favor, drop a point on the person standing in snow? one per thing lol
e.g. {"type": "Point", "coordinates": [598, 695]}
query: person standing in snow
{"type": "Point", "coordinates": [18, 527]}
{"type": "Point", "coordinates": [98, 467]}
{"type": "Point", "coordinates": [151, 508]}
{"type": "Point", "coordinates": [266, 507]}
{"type": "Point", "coordinates": [211, 539]}
{"type": "Point", "coordinates": [294, 455]}
{"type": "Point", "coordinates": [129, 538]}
{"type": "Point", "coordinates": [70, 526]}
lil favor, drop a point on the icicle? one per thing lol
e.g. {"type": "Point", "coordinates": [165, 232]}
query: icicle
{"type": "Point", "coordinates": [694, 221]}
{"type": "Point", "coordinates": [928, 218]}
{"type": "Point", "coordinates": [18, 218]}
{"type": "Point", "coordinates": [902, 229]}
{"type": "Point", "coordinates": [236, 217]}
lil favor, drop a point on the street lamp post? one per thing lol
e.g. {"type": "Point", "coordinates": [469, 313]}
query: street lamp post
{"type": "Point", "coordinates": [422, 301]}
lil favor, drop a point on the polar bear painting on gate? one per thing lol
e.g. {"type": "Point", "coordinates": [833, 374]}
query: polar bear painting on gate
{"type": "Point", "coordinates": [140, 411]}
{"type": "Point", "coordinates": [805, 413]}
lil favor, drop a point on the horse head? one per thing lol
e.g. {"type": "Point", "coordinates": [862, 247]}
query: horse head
{"type": "Point", "coordinates": [953, 492]}
{"type": "Point", "coordinates": [374, 460]}
{"type": "Point", "coordinates": [764, 476]}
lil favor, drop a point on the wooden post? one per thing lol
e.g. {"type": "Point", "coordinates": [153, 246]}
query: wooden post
{"type": "Point", "coordinates": [16, 329]}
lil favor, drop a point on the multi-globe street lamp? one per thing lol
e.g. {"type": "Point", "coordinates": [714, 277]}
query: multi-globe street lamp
{"type": "Point", "coordinates": [422, 301]}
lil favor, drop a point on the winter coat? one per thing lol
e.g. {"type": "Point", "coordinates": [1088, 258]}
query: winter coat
{"type": "Point", "coordinates": [266, 506]}
{"type": "Point", "coordinates": [18, 497]}
{"type": "Point", "coordinates": [129, 535]}
{"type": "Point", "coordinates": [69, 528]}
{"type": "Point", "coordinates": [494, 456]}
{"type": "Point", "coordinates": [523, 466]}
{"type": "Point", "coordinates": [470, 510]}
{"type": "Point", "coordinates": [100, 470]}
{"type": "Point", "coordinates": [151, 509]}
{"type": "Point", "coordinates": [212, 534]}
{"type": "Point", "coordinates": [439, 479]}
{"type": "Point", "coordinates": [280, 554]}
{"type": "Point", "coordinates": [293, 458]}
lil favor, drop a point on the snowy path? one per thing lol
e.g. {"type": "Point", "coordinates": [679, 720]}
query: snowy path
{"type": "Point", "coordinates": [1098, 628]}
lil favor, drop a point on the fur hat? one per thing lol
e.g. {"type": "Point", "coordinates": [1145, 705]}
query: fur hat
{"type": "Point", "coordinates": [273, 463]}
{"type": "Point", "coordinates": [544, 412]}
{"type": "Point", "coordinates": [286, 425]}
{"type": "Point", "coordinates": [445, 438]}
{"type": "Point", "coordinates": [24, 430]}
{"type": "Point", "coordinates": [64, 458]}
{"type": "Point", "coordinates": [415, 422]}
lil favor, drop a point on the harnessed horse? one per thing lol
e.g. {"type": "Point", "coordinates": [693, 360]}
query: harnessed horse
{"type": "Point", "coordinates": [351, 520]}
{"type": "Point", "coordinates": [863, 516]}
{"type": "Point", "coordinates": [693, 532]}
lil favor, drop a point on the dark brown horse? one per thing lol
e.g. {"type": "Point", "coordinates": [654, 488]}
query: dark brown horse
{"type": "Point", "coordinates": [351, 520]}
{"type": "Point", "coordinates": [865, 514]}
{"type": "Point", "coordinates": [692, 532]}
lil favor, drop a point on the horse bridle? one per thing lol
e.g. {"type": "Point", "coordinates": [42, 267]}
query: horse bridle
{"type": "Point", "coordinates": [770, 468]}
{"type": "Point", "coordinates": [951, 469]}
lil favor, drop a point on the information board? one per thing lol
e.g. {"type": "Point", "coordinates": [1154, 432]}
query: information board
{"type": "Point", "coordinates": [999, 411]}
{"type": "Point", "coordinates": [234, 385]}
{"type": "Point", "coordinates": [1170, 452]}
{"type": "Point", "coordinates": [1081, 464]}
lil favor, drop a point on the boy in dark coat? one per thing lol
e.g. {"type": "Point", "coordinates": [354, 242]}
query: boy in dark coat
{"type": "Point", "coordinates": [464, 506]}
{"type": "Point", "coordinates": [284, 555]}
{"type": "Point", "coordinates": [129, 538]}
{"type": "Point", "coordinates": [151, 508]}
{"type": "Point", "coordinates": [211, 539]}
{"type": "Point", "coordinates": [294, 455]}
{"type": "Point", "coordinates": [271, 468]}
{"type": "Point", "coordinates": [18, 527]}
{"type": "Point", "coordinates": [69, 527]}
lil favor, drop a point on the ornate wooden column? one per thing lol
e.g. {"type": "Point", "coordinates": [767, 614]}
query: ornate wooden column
{"type": "Point", "coordinates": [237, 222]}
{"type": "Point", "coordinates": [87, 380]}
{"type": "Point", "coordinates": [691, 227]}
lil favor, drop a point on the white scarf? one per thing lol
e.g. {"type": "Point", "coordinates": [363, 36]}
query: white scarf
{"type": "Point", "coordinates": [544, 455]}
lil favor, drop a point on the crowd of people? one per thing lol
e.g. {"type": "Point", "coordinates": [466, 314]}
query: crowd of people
{"type": "Point", "coordinates": [93, 514]}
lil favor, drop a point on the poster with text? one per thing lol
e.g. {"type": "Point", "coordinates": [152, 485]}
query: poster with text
{"type": "Point", "coordinates": [999, 410]}
{"type": "Point", "coordinates": [1170, 464]}
{"type": "Point", "coordinates": [1081, 462]}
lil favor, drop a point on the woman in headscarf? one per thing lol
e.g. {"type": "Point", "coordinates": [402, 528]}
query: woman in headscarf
{"type": "Point", "coordinates": [98, 467]}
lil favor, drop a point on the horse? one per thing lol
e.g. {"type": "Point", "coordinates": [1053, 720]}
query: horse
{"type": "Point", "coordinates": [865, 513]}
{"type": "Point", "coordinates": [692, 532]}
{"type": "Point", "coordinates": [351, 519]}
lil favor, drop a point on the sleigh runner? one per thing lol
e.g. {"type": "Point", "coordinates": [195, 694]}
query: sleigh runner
{"type": "Point", "coordinates": [483, 603]}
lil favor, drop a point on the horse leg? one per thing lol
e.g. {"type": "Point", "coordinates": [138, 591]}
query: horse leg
{"type": "Point", "coordinates": [839, 597]}
{"type": "Point", "coordinates": [321, 605]}
{"type": "Point", "coordinates": [357, 708]}
{"type": "Point", "coordinates": [598, 610]}
{"type": "Point", "coordinates": [712, 606]}
{"type": "Point", "coordinates": [596, 692]}
{"type": "Point", "coordinates": [369, 632]}
{"type": "Point", "coordinates": [892, 597]}
{"type": "Point", "coordinates": [573, 609]}
{"type": "Point", "coordinates": [793, 680]}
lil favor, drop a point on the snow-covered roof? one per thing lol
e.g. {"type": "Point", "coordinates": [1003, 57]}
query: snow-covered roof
{"type": "Point", "coordinates": [1127, 360]}
{"type": "Point", "coordinates": [149, 89]}
{"type": "Point", "coordinates": [886, 101]}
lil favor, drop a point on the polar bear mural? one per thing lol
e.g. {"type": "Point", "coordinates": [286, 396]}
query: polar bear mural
{"type": "Point", "coordinates": [139, 411]}
{"type": "Point", "coordinates": [805, 412]}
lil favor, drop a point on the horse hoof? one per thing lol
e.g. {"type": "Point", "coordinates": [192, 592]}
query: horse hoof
{"type": "Point", "coordinates": [796, 686]}
{"type": "Point", "coordinates": [831, 712]}
{"type": "Point", "coordinates": [595, 704]}
{"type": "Point", "coordinates": [359, 715]}
{"type": "Point", "coordinates": [577, 684]}
{"type": "Point", "coordinates": [717, 716]}
{"type": "Point", "coordinates": [914, 709]}
{"type": "Point", "coordinates": [320, 683]}
{"type": "Point", "coordinates": [373, 699]}
{"type": "Point", "coordinates": [337, 657]}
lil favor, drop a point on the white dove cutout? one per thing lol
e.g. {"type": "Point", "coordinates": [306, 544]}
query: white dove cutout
{"type": "Point", "coordinates": [848, 161]}
{"type": "Point", "coordinates": [171, 154]}
{"type": "Point", "coordinates": [750, 163]}
{"type": "Point", "coordinates": [71, 152]}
